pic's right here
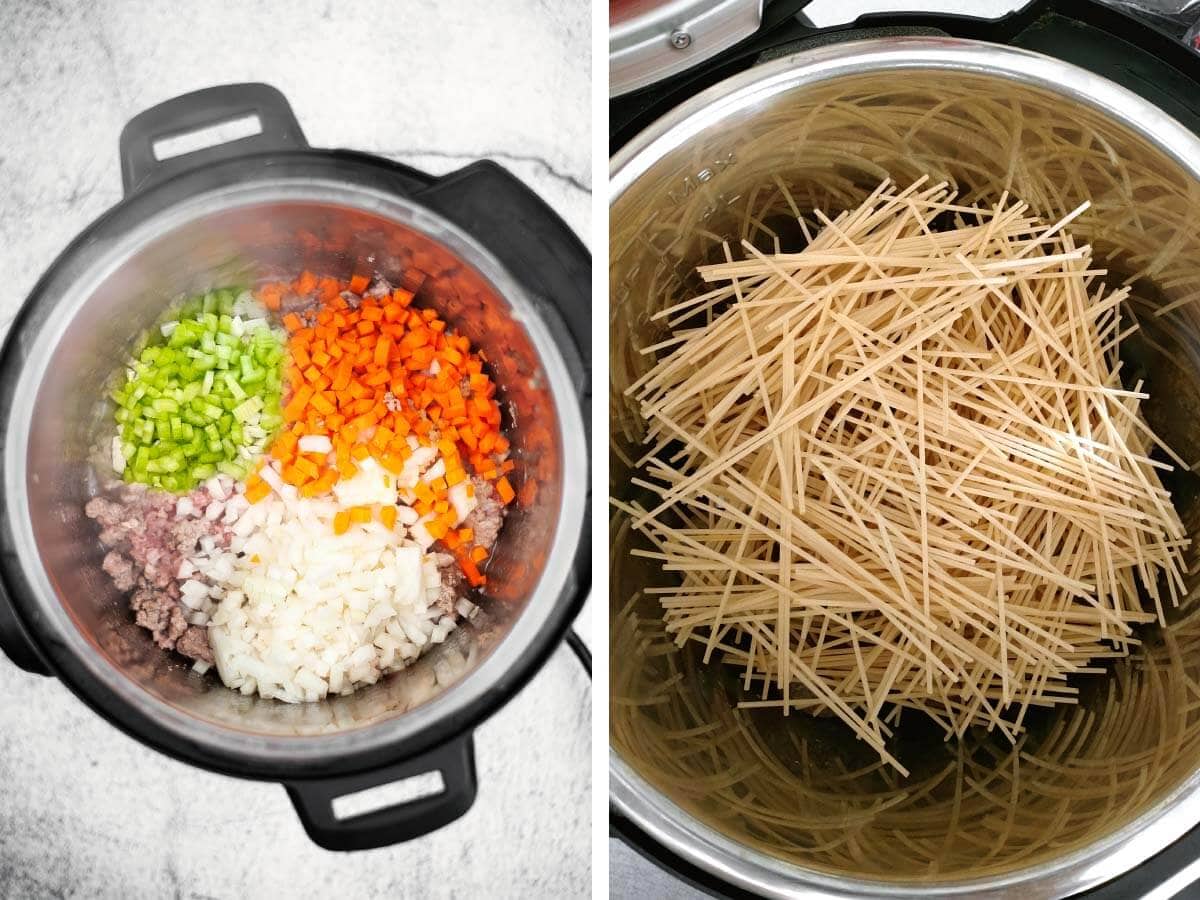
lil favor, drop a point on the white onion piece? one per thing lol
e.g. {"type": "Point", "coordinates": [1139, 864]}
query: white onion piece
{"type": "Point", "coordinates": [315, 443]}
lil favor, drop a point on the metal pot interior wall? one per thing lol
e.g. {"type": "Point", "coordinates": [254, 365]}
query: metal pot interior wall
{"type": "Point", "coordinates": [242, 245]}
{"type": "Point", "coordinates": [800, 789]}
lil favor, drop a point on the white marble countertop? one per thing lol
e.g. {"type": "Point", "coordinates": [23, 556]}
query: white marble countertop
{"type": "Point", "coordinates": [86, 812]}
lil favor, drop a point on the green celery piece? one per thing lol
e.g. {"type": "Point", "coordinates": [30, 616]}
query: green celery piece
{"type": "Point", "coordinates": [234, 387]}
{"type": "Point", "coordinates": [232, 469]}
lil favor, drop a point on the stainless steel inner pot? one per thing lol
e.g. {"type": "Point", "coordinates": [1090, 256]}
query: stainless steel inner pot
{"type": "Point", "coordinates": [103, 296]}
{"type": "Point", "coordinates": [795, 806]}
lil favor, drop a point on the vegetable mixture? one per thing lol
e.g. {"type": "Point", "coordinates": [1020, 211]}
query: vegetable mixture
{"type": "Point", "coordinates": [314, 474]}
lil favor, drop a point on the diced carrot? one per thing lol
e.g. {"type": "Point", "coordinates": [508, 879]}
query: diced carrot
{"type": "Point", "coordinates": [306, 283]}
{"type": "Point", "coordinates": [360, 515]}
{"type": "Point", "coordinates": [328, 288]}
{"type": "Point", "coordinates": [478, 554]}
{"type": "Point", "coordinates": [292, 322]}
{"type": "Point", "coordinates": [387, 515]}
{"type": "Point", "coordinates": [295, 406]}
{"type": "Point", "coordinates": [359, 283]}
{"type": "Point", "coordinates": [292, 475]}
{"type": "Point", "coordinates": [341, 522]}
{"type": "Point", "coordinates": [256, 492]}
{"type": "Point", "coordinates": [341, 378]}
{"type": "Point", "coordinates": [382, 349]}
{"type": "Point", "coordinates": [306, 467]}
{"type": "Point", "coordinates": [505, 490]}
{"type": "Point", "coordinates": [322, 404]}
{"type": "Point", "coordinates": [474, 578]}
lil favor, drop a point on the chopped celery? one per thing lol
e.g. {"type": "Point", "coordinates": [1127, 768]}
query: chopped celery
{"type": "Point", "coordinates": [204, 398]}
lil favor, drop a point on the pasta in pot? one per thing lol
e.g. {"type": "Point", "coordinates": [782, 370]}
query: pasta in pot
{"type": "Point", "coordinates": [898, 469]}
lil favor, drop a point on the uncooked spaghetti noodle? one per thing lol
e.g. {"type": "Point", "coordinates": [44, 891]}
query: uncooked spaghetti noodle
{"type": "Point", "coordinates": [898, 468]}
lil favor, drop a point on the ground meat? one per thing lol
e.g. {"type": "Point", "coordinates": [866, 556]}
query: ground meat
{"type": "Point", "coordinates": [487, 518]}
{"type": "Point", "coordinates": [380, 288]}
{"type": "Point", "coordinates": [147, 541]}
{"type": "Point", "coordinates": [193, 643]}
{"type": "Point", "coordinates": [352, 299]}
{"type": "Point", "coordinates": [297, 303]}
{"type": "Point", "coordinates": [109, 513]}
{"type": "Point", "coordinates": [120, 570]}
{"type": "Point", "coordinates": [453, 583]}
{"type": "Point", "coordinates": [158, 613]}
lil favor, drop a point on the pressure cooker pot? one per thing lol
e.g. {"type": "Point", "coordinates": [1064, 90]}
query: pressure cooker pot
{"type": "Point", "coordinates": [481, 249]}
{"type": "Point", "coordinates": [795, 806]}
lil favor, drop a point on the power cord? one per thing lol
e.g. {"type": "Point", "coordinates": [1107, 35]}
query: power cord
{"type": "Point", "coordinates": [582, 653]}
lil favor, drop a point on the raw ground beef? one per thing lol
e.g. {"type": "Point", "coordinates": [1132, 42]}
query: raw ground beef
{"type": "Point", "coordinates": [453, 583]}
{"type": "Point", "coordinates": [146, 541]}
{"type": "Point", "coordinates": [487, 518]}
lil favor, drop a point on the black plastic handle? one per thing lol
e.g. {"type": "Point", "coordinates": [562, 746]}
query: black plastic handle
{"type": "Point", "coordinates": [15, 643]}
{"type": "Point", "coordinates": [140, 167]}
{"type": "Point", "coordinates": [404, 822]}
{"type": "Point", "coordinates": [532, 242]}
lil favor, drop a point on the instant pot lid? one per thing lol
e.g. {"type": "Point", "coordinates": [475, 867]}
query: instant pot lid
{"type": "Point", "coordinates": [646, 806]}
{"type": "Point", "coordinates": [345, 179]}
{"type": "Point", "coordinates": [649, 40]}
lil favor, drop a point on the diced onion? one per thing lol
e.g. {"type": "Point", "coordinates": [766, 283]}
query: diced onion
{"type": "Point", "coordinates": [315, 443]}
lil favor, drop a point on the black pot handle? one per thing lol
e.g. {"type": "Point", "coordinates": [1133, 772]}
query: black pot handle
{"type": "Point", "coordinates": [403, 822]}
{"type": "Point", "coordinates": [531, 241]}
{"type": "Point", "coordinates": [14, 642]}
{"type": "Point", "coordinates": [140, 167]}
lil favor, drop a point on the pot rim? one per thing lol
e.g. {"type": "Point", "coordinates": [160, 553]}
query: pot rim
{"type": "Point", "coordinates": [109, 242]}
{"type": "Point", "coordinates": [643, 804]}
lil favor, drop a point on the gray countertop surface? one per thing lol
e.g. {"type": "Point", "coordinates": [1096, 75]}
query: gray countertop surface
{"type": "Point", "coordinates": [86, 812]}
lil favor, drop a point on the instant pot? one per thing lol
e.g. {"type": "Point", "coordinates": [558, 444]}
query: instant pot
{"type": "Point", "coordinates": [1057, 102]}
{"type": "Point", "coordinates": [478, 246]}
